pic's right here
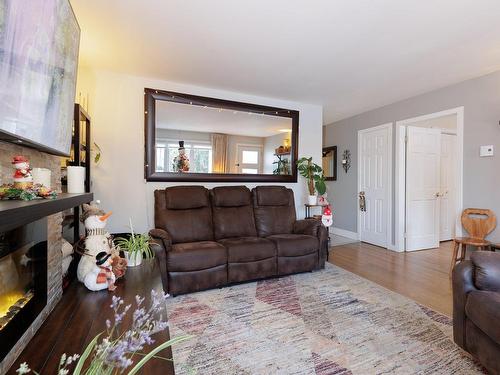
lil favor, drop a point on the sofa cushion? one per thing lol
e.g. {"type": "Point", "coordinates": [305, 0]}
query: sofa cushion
{"type": "Point", "coordinates": [195, 256]}
{"type": "Point", "coordinates": [231, 196]}
{"type": "Point", "coordinates": [186, 197]}
{"type": "Point", "coordinates": [274, 210]}
{"type": "Point", "coordinates": [248, 249]}
{"type": "Point", "coordinates": [483, 309]}
{"type": "Point", "coordinates": [292, 245]}
{"type": "Point", "coordinates": [189, 224]}
{"type": "Point", "coordinates": [232, 212]}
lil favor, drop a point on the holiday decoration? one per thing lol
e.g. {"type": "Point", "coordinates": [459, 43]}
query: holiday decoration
{"type": "Point", "coordinates": [97, 240]}
{"type": "Point", "coordinates": [22, 176]}
{"type": "Point", "coordinates": [23, 187]}
{"type": "Point", "coordinates": [101, 276]}
{"type": "Point", "coordinates": [181, 162]}
{"type": "Point", "coordinates": [327, 217]}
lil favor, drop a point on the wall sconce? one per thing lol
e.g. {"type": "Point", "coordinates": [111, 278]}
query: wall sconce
{"type": "Point", "coordinates": [346, 160]}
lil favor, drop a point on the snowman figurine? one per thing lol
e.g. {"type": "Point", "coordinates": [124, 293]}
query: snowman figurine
{"type": "Point", "coordinates": [97, 240]}
{"type": "Point", "coordinates": [22, 176]}
{"type": "Point", "coordinates": [101, 275]}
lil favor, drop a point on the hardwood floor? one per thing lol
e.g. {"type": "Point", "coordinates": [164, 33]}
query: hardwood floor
{"type": "Point", "coordinates": [420, 275]}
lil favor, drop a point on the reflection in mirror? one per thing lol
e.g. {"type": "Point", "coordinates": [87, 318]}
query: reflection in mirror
{"type": "Point", "coordinates": [329, 163]}
{"type": "Point", "coordinates": [205, 139]}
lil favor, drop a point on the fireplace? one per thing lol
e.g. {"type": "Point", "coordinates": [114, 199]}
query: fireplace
{"type": "Point", "coordinates": [23, 280]}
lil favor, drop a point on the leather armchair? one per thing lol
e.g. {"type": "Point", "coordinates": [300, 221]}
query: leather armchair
{"type": "Point", "coordinates": [315, 228]}
{"type": "Point", "coordinates": [476, 308]}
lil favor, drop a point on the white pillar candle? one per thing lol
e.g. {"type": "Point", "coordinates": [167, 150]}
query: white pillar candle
{"type": "Point", "coordinates": [41, 176]}
{"type": "Point", "coordinates": [76, 180]}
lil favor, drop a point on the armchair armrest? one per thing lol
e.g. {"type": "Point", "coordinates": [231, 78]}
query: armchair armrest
{"type": "Point", "coordinates": [486, 270]}
{"type": "Point", "coordinates": [313, 227]}
{"type": "Point", "coordinates": [463, 284]}
{"type": "Point", "coordinates": [161, 243]}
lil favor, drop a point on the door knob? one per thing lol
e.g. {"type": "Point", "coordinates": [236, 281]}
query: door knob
{"type": "Point", "coordinates": [437, 195]}
{"type": "Point", "coordinates": [362, 201]}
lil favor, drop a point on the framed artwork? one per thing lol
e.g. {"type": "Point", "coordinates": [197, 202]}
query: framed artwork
{"type": "Point", "coordinates": [39, 42]}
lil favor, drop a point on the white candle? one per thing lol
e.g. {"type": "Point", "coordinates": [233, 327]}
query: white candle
{"type": "Point", "coordinates": [76, 180]}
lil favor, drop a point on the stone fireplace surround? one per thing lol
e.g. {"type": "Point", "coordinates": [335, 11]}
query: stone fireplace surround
{"type": "Point", "coordinates": [54, 244]}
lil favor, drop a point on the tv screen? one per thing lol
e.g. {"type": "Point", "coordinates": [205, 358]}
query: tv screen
{"type": "Point", "coordinates": [39, 41]}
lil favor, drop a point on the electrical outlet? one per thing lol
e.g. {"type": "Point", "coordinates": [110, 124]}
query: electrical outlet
{"type": "Point", "coordinates": [486, 151]}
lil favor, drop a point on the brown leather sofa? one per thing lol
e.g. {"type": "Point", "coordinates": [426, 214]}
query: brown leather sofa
{"type": "Point", "coordinates": [476, 308]}
{"type": "Point", "coordinates": [211, 238]}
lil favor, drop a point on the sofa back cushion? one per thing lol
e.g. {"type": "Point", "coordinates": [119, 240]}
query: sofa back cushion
{"type": "Point", "coordinates": [232, 212]}
{"type": "Point", "coordinates": [185, 213]}
{"type": "Point", "coordinates": [274, 210]}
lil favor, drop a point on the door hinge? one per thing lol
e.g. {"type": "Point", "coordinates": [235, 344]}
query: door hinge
{"type": "Point", "coordinates": [405, 235]}
{"type": "Point", "coordinates": [406, 139]}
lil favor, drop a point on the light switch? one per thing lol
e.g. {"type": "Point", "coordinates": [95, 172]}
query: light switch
{"type": "Point", "coordinates": [486, 151]}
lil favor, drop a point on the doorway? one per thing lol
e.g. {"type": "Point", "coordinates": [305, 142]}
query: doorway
{"type": "Point", "coordinates": [375, 185]}
{"type": "Point", "coordinates": [429, 179]}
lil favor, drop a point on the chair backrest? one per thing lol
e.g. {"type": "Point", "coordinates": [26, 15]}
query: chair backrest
{"type": "Point", "coordinates": [232, 212]}
{"type": "Point", "coordinates": [185, 213]}
{"type": "Point", "coordinates": [478, 222]}
{"type": "Point", "coordinates": [274, 210]}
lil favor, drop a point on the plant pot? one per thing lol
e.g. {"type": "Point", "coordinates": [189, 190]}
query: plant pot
{"type": "Point", "coordinates": [134, 259]}
{"type": "Point", "coordinates": [312, 200]}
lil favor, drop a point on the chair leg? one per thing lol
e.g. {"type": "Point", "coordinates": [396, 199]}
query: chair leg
{"type": "Point", "coordinates": [454, 255]}
{"type": "Point", "coordinates": [463, 251]}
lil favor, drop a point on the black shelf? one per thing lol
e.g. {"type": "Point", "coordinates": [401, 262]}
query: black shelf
{"type": "Point", "coordinates": [15, 213]}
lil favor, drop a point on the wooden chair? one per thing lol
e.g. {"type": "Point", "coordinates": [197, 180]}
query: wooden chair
{"type": "Point", "coordinates": [478, 223]}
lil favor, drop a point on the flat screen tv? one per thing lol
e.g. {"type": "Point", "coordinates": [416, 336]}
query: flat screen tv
{"type": "Point", "coordinates": [39, 42]}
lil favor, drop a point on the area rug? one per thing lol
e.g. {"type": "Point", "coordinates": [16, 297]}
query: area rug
{"type": "Point", "coordinates": [325, 322]}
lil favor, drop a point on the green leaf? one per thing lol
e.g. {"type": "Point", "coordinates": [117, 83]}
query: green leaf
{"type": "Point", "coordinates": [85, 355]}
{"type": "Point", "coordinates": [156, 350]}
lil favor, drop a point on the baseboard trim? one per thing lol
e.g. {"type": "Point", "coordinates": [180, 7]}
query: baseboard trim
{"type": "Point", "coordinates": [344, 233]}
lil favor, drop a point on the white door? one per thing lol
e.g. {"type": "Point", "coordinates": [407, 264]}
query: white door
{"type": "Point", "coordinates": [448, 181]}
{"type": "Point", "coordinates": [423, 187]}
{"type": "Point", "coordinates": [249, 159]}
{"type": "Point", "coordinates": [374, 168]}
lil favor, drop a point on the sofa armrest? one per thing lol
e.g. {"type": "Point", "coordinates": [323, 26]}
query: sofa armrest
{"type": "Point", "coordinates": [307, 226]}
{"type": "Point", "coordinates": [161, 243]}
{"type": "Point", "coordinates": [463, 284]}
{"type": "Point", "coordinates": [314, 227]}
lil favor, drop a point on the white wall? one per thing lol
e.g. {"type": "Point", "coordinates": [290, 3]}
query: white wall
{"type": "Point", "coordinates": [116, 105]}
{"type": "Point", "coordinates": [271, 143]}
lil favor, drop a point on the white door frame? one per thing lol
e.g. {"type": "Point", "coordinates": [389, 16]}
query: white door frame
{"type": "Point", "coordinates": [400, 196]}
{"type": "Point", "coordinates": [388, 126]}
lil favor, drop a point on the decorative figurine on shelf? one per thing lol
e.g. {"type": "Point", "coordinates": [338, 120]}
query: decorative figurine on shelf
{"type": "Point", "coordinates": [327, 217]}
{"type": "Point", "coordinates": [23, 187]}
{"type": "Point", "coordinates": [101, 276]}
{"type": "Point", "coordinates": [181, 161]}
{"type": "Point", "coordinates": [98, 240]}
{"type": "Point", "coordinates": [22, 176]}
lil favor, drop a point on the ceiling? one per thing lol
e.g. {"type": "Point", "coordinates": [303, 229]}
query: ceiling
{"type": "Point", "coordinates": [196, 118]}
{"type": "Point", "coordinates": [349, 56]}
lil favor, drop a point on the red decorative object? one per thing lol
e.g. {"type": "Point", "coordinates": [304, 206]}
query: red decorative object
{"type": "Point", "coordinates": [327, 211]}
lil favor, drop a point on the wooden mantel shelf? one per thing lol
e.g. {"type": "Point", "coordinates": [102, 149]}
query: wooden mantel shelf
{"type": "Point", "coordinates": [14, 213]}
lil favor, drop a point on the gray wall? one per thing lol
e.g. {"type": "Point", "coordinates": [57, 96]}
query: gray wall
{"type": "Point", "coordinates": [481, 100]}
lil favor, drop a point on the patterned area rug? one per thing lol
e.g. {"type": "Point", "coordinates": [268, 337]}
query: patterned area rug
{"type": "Point", "coordinates": [326, 322]}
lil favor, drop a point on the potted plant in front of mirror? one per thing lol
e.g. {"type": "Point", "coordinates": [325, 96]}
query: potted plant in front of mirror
{"type": "Point", "coordinates": [135, 247]}
{"type": "Point", "coordinates": [315, 178]}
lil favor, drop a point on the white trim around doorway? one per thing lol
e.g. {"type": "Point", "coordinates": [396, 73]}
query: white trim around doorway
{"type": "Point", "coordinates": [400, 169]}
{"type": "Point", "coordinates": [389, 127]}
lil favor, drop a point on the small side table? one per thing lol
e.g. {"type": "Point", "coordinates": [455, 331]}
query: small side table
{"type": "Point", "coordinates": [307, 208]}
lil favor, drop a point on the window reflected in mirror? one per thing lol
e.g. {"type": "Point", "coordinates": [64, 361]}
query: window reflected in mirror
{"type": "Point", "coordinates": [203, 139]}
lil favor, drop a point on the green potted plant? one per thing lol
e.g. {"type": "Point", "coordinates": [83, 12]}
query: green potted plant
{"type": "Point", "coordinates": [315, 178]}
{"type": "Point", "coordinates": [136, 247]}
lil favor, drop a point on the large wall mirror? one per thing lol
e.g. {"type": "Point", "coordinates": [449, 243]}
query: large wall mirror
{"type": "Point", "coordinates": [194, 138]}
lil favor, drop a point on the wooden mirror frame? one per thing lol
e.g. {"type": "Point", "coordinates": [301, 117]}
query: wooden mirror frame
{"type": "Point", "coordinates": [150, 98]}
{"type": "Point", "coordinates": [334, 150]}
